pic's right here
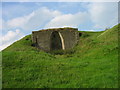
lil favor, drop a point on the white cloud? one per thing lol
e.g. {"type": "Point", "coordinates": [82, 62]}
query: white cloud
{"type": "Point", "coordinates": [35, 20]}
{"type": "Point", "coordinates": [103, 14]}
{"type": "Point", "coordinates": [41, 17]}
{"type": "Point", "coordinates": [9, 38]}
{"type": "Point", "coordinates": [20, 21]}
{"type": "Point", "coordinates": [68, 20]}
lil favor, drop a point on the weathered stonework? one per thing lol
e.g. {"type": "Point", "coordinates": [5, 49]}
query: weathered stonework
{"type": "Point", "coordinates": [55, 39]}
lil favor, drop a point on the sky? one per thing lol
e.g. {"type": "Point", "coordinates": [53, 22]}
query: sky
{"type": "Point", "coordinates": [18, 19]}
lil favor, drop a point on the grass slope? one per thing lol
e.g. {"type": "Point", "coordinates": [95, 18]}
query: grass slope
{"type": "Point", "coordinates": [93, 63]}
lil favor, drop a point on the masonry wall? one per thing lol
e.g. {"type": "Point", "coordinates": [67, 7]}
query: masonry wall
{"type": "Point", "coordinates": [43, 38]}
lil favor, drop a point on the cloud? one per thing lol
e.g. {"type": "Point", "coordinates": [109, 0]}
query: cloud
{"type": "Point", "coordinates": [34, 20]}
{"type": "Point", "coordinates": [9, 38]}
{"type": "Point", "coordinates": [97, 13]}
{"type": "Point", "coordinates": [100, 15]}
{"type": "Point", "coordinates": [20, 21]}
{"type": "Point", "coordinates": [103, 15]}
{"type": "Point", "coordinates": [41, 17]}
{"type": "Point", "coordinates": [68, 20]}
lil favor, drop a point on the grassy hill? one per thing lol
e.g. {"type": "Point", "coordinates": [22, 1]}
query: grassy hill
{"type": "Point", "coordinates": [93, 63]}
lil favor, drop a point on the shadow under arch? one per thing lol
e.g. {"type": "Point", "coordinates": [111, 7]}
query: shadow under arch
{"type": "Point", "coordinates": [56, 41]}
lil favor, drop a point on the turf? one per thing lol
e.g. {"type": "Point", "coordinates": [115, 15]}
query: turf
{"type": "Point", "coordinates": [92, 63]}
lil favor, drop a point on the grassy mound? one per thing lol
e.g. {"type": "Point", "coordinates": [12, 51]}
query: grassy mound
{"type": "Point", "coordinates": [93, 63]}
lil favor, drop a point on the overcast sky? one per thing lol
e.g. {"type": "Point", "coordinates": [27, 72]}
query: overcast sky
{"type": "Point", "coordinates": [19, 19]}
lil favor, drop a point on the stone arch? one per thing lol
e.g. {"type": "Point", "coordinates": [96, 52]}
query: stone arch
{"type": "Point", "coordinates": [80, 34]}
{"type": "Point", "coordinates": [56, 41]}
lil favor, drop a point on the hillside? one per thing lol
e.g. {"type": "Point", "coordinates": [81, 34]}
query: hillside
{"type": "Point", "coordinates": [93, 63]}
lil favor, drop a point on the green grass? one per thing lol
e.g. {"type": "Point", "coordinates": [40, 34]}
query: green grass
{"type": "Point", "coordinates": [92, 63]}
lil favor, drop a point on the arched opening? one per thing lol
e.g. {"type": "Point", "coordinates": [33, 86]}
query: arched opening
{"type": "Point", "coordinates": [56, 42]}
{"type": "Point", "coordinates": [80, 34]}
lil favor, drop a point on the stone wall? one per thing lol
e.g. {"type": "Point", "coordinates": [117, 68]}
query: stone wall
{"type": "Point", "coordinates": [44, 39]}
